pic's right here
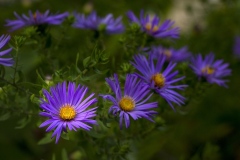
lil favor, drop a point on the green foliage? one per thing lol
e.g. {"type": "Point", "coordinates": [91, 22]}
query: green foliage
{"type": "Point", "coordinates": [206, 127]}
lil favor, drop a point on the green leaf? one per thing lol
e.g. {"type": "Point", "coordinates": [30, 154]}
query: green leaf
{"type": "Point", "coordinates": [65, 136]}
{"type": "Point", "coordinates": [41, 79]}
{"type": "Point", "coordinates": [34, 99]}
{"type": "Point", "coordinates": [86, 62]}
{"type": "Point", "coordinates": [22, 123]}
{"type": "Point", "coordinates": [19, 41]}
{"type": "Point", "coordinates": [76, 64]}
{"type": "Point", "coordinates": [94, 134]}
{"type": "Point", "coordinates": [45, 140]}
{"type": "Point", "coordinates": [101, 72]}
{"type": "Point", "coordinates": [5, 116]}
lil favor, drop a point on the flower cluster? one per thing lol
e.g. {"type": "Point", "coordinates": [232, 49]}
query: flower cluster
{"type": "Point", "coordinates": [66, 105]}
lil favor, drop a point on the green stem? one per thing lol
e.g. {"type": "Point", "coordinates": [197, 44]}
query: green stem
{"type": "Point", "coordinates": [14, 85]}
{"type": "Point", "coordinates": [16, 65]}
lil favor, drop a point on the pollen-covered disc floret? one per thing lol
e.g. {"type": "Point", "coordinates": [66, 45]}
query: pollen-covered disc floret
{"type": "Point", "coordinates": [132, 102]}
{"type": "Point", "coordinates": [4, 60]}
{"type": "Point", "coordinates": [157, 79]}
{"type": "Point", "coordinates": [151, 28]}
{"type": "Point", "coordinates": [66, 108]}
{"type": "Point", "coordinates": [35, 19]}
{"type": "Point", "coordinates": [107, 24]}
{"type": "Point", "coordinates": [208, 70]}
{"type": "Point", "coordinates": [127, 104]}
{"type": "Point", "coordinates": [67, 112]}
{"type": "Point", "coordinates": [213, 71]}
{"type": "Point", "coordinates": [150, 24]}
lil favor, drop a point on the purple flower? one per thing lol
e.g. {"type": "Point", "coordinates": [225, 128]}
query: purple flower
{"type": "Point", "coordinates": [161, 81]}
{"type": "Point", "coordinates": [5, 61]}
{"type": "Point", "coordinates": [236, 47]}
{"type": "Point", "coordinates": [210, 70]}
{"type": "Point", "coordinates": [65, 106]}
{"type": "Point", "coordinates": [35, 19]}
{"type": "Point", "coordinates": [132, 102]}
{"type": "Point", "coordinates": [94, 22]}
{"type": "Point", "coordinates": [151, 25]}
{"type": "Point", "coordinates": [171, 54]}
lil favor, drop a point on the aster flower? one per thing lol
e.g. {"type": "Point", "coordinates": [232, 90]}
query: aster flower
{"type": "Point", "coordinates": [94, 22]}
{"type": "Point", "coordinates": [159, 80]}
{"type": "Point", "coordinates": [151, 25]}
{"type": "Point", "coordinates": [35, 19]}
{"type": "Point", "coordinates": [5, 61]}
{"type": "Point", "coordinates": [132, 103]}
{"type": "Point", "coordinates": [236, 47]}
{"type": "Point", "coordinates": [171, 54]}
{"type": "Point", "coordinates": [65, 107]}
{"type": "Point", "coordinates": [210, 70]}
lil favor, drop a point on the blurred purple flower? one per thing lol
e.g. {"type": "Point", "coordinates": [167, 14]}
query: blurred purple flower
{"type": "Point", "coordinates": [5, 61]}
{"type": "Point", "coordinates": [94, 22]}
{"type": "Point", "coordinates": [161, 81]}
{"type": "Point", "coordinates": [132, 102]}
{"type": "Point", "coordinates": [35, 19]}
{"type": "Point", "coordinates": [171, 54]}
{"type": "Point", "coordinates": [236, 47]}
{"type": "Point", "coordinates": [212, 71]}
{"type": "Point", "coordinates": [65, 106]}
{"type": "Point", "coordinates": [152, 26]}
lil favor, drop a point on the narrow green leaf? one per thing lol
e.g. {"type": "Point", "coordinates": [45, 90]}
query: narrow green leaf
{"type": "Point", "coordinates": [65, 136]}
{"type": "Point", "coordinates": [41, 79]}
{"type": "Point", "coordinates": [45, 140]}
{"type": "Point", "coordinates": [86, 62]}
{"type": "Point", "coordinates": [76, 64]}
{"type": "Point", "coordinates": [34, 99]}
{"type": "Point", "coordinates": [22, 123]}
{"type": "Point", "coordinates": [4, 116]}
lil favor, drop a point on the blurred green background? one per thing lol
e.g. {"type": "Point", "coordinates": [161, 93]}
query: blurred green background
{"type": "Point", "coordinates": [208, 128]}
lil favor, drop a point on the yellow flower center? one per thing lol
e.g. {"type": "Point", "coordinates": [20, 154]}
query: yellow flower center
{"type": "Point", "coordinates": [149, 27]}
{"type": "Point", "coordinates": [67, 112]}
{"type": "Point", "coordinates": [127, 104]}
{"type": "Point", "coordinates": [167, 53]}
{"type": "Point", "coordinates": [208, 70]}
{"type": "Point", "coordinates": [159, 80]}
